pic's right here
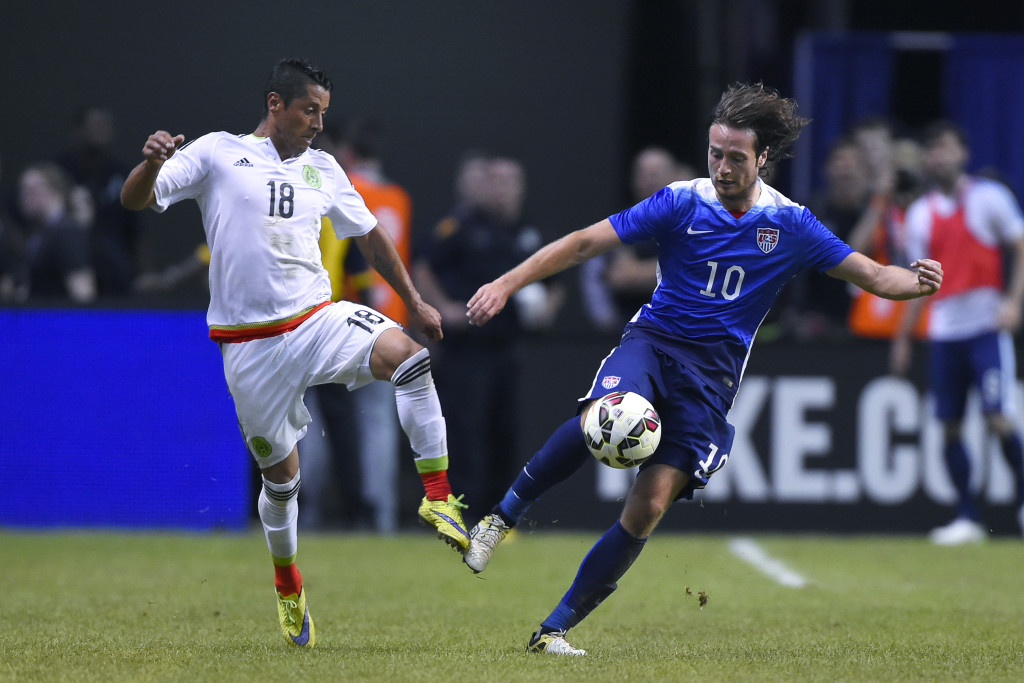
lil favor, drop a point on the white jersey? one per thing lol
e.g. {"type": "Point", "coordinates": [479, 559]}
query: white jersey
{"type": "Point", "coordinates": [262, 217]}
{"type": "Point", "coordinates": [966, 305]}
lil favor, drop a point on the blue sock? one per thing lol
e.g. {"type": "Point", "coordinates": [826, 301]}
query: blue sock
{"type": "Point", "coordinates": [959, 467]}
{"type": "Point", "coordinates": [599, 573]}
{"type": "Point", "coordinates": [1013, 451]}
{"type": "Point", "coordinates": [563, 453]}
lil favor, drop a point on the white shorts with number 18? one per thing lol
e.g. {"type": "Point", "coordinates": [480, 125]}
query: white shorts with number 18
{"type": "Point", "coordinates": [268, 377]}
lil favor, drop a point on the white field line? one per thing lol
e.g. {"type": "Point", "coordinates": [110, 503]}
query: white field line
{"type": "Point", "coordinates": [750, 552]}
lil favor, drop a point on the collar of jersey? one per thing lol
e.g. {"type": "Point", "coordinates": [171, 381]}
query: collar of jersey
{"type": "Point", "coordinates": [265, 140]}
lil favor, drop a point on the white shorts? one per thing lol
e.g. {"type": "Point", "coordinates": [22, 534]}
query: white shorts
{"type": "Point", "coordinates": [268, 377]}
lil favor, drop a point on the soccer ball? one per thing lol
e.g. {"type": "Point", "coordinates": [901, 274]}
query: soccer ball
{"type": "Point", "coordinates": [622, 429]}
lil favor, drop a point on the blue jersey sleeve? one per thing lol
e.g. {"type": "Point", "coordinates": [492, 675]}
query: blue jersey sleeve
{"type": "Point", "coordinates": [664, 210]}
{"type": "Point", "coordinates": [824, 249]}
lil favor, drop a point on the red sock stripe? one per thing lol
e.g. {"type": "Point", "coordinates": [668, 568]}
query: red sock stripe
{"type": "Point", "coordinates": [436, 484]}
{"type": "Point", "coordinates": [288, 580]}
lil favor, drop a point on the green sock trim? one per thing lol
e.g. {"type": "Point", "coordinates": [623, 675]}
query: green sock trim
{"type": "Point", "coordinates": [427, 465]}
{"type": "Point", "coordinates": [284, 561]}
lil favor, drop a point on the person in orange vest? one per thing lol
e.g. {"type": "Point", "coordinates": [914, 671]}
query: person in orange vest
{"type": "Point", "coordinates": [356, 146]}
{"type": "Point", "coordinates": [881, 232]}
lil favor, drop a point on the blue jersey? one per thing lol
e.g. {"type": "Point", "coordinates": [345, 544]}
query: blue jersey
{"type": "Point", "coordinates": [718, 275]}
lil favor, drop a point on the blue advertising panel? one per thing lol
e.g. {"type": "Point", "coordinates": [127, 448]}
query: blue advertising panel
{"type": "Point", "coordinates": [117, 419]}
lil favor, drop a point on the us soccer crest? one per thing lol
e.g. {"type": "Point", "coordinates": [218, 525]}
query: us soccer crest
{"type": "Point", "coordinates": [610, 382]}
{"type": "Point", "coordinates": [767, 239]}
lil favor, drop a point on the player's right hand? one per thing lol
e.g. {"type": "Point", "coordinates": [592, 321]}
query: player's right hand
{"type": "Point", "coordinates": [929, 275]}
{"type": "Point", "coordinates": [427, 320]}
{"type": "Point", "coordinates": [488, 302]}
{"type": "Point", "coordinates": [161, 145]}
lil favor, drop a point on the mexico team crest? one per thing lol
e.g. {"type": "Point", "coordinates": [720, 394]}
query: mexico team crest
{"type": "Point", "coordinates": [610, 382]}
{"type": "Point", "coordinates": [312, 177]}
{"type": "Point", "coordinates": [767, 238]}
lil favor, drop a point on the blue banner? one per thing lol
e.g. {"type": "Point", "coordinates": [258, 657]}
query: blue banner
{"type": "Point", "coordinates": [117, 419]}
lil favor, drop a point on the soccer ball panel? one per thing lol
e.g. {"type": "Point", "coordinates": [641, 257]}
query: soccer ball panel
{"type": "Point", "coordinates": [622, 430]}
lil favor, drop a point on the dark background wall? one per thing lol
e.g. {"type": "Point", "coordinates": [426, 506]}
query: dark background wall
{"type": "Point", "coordinates": [572, 88]}
{"type": "Point", "coordinates": [539, 81]}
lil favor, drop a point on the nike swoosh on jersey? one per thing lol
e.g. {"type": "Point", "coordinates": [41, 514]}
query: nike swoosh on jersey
{"type": "Point", "coordinates": [691, 231]}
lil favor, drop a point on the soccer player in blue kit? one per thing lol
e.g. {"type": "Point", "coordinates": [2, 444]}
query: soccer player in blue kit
{"type": "Point", "coordinates": [727, 244]}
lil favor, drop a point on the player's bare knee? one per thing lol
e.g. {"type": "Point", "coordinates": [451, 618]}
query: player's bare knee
{"type": "Point", "coordinates": [642, 514]}
{"type": "Point", "coordinates": [284, 471]}
{"type": "Point", "coordinates": [393, 348]}
{"type": "Point", "coordinates": [640, 523]}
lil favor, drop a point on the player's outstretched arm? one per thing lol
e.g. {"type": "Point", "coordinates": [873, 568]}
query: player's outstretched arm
{"type": "Point", "coordinates": [890, 282]}
{"type": "Point", "coordinates": [137, 193]}
{"type": "Point", "coordinates": [379, 250]}
{"type": "Point", "coordinates": [565, 252]}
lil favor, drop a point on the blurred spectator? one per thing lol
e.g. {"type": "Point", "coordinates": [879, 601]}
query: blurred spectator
{"type": "Point", "coordinates": [13, 270]}
{"type": "Point", "coordinates": [477, 372]}
{"type": "Point", "coordinates": [359, 154]}
{"type": "Point", "coordinates": [372, 497]}
{"type": "Point", "coordinates": [334, 437]}
{"type": "Point", "coordinates": [114, 234]}
{"type": "Point", "coordinates": [823, 302]}
{"type": "Point", "coordinates": [616, 284]}
{"type": "Point", "coordinates": [881, 234]}
{"type": "Point", "coordinates": [969, 224]}
{"type": "Point", "coordinates": [58, 244]}
{"type": "Point", "coordinates": [472, 182]}
{"type": "Point", "coordinates": [874, 136]}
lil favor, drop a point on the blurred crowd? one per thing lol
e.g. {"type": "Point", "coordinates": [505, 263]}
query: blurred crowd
{"type": "Point", "coordinates": [66, 240]}
{"type": "Point", "coordinates": [64, 236]}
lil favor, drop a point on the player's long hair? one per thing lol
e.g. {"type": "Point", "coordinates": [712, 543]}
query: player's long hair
{"type": "Point", "coordinates": [771, 117]}
{"type": "Point", "coordinates": [290, 78]}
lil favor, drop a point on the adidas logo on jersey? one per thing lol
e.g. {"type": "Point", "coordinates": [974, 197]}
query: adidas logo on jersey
{"type": "Point", "coordinates": [243, 162]}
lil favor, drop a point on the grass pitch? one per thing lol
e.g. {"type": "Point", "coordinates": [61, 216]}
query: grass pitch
{"type": "Point", "coordinates": [164, 607]}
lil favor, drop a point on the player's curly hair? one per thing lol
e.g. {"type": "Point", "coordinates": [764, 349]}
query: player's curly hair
{"type": "Point", "coordinates": [772, 118]}
{"type": "Point", "coordinates": [290, 78]}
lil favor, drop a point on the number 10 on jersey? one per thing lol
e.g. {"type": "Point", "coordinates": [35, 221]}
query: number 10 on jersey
{"type": "Point", "coordinates": [732, 281]}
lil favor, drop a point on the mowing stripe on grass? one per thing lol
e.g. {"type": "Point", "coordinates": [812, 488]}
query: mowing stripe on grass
{"type": "Point", "coordinates": [750, 552]}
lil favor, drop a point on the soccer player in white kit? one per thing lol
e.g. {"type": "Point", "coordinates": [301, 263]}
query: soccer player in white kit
{"type": "Point", "coordinates": [262, 197]}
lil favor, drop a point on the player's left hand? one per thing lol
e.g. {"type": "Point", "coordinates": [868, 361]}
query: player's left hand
{"type": "Point", "coordinates": [929, 275]}
{"type": "Point", "coordinates": [488, 302]}
{"type": "Point", "coordinates": [425, 318]}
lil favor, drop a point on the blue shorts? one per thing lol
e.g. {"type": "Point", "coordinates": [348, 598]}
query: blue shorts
{"type": "Point", "coordinates": [985, 362]}
{"type": "Point", "coordinates": [695, 438]}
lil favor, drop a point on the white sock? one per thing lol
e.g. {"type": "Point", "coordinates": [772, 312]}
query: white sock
{"type": "Point", "coordinates": [419, 412]}
{"type": "Point", "coordinates": [279, 512]}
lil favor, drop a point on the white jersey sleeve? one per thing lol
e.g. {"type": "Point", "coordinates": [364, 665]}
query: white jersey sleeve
{"type": "Point", "coordinates": [347, 210]}
{"type": "Point", "coordinates": [999, 212]}
{"type": "Point", "coordinates": [184, 175]}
